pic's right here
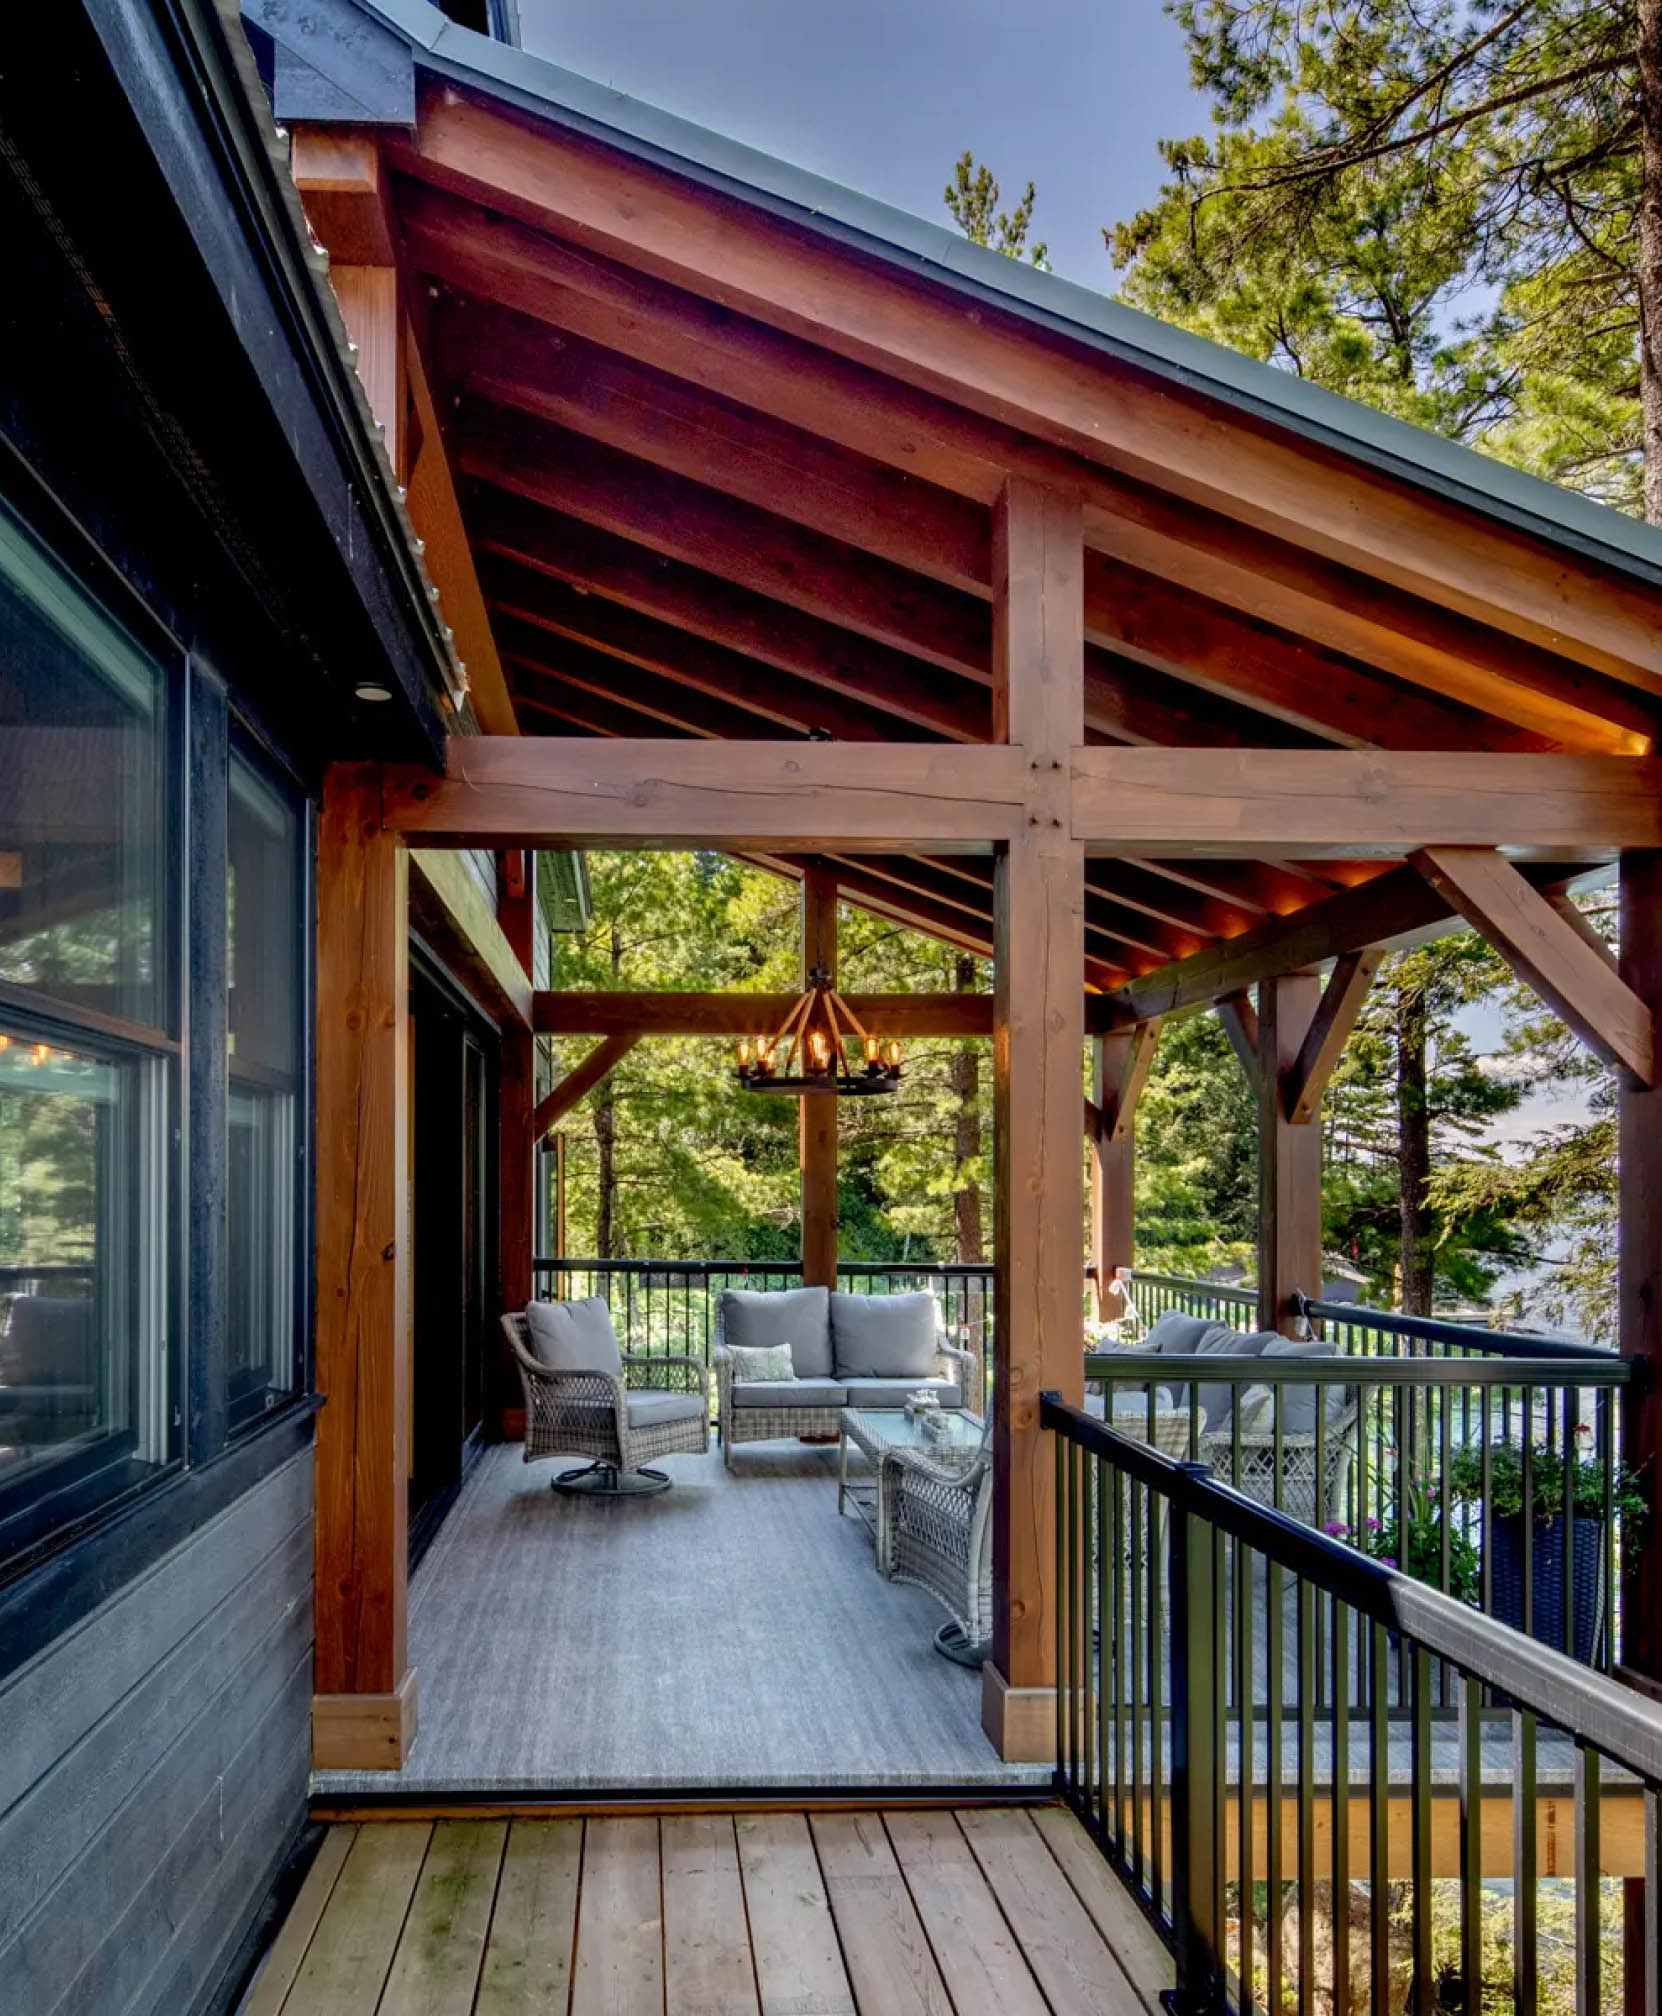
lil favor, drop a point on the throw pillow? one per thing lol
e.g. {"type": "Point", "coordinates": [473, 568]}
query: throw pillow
{"type": "Point", "coordinates": [885, 1336]}
{"type": "Point", "coordinates": [762, 1361]}
{"type": "Point", "coordinates": [799, 1317]}
{"type": "Point", "coordinates": [574, 1336]}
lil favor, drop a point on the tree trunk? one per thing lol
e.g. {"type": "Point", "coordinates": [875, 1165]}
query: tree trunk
{"type": "Point", "coordinates": [966, 1133]}
{"type": "Point", "coordinates": [1413, 1152]}
{"type": "Point", "coordinates": [605, 1137]}
{"type": "Point", "coordinates": [1650, 251]}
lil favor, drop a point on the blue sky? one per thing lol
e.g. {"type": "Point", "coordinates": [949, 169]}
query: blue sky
{"type": "Point", "coordinates": [885, 94]}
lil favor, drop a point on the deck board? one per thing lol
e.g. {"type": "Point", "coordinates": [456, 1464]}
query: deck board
{"type": "Point", "coordinates": [533, 1929]}
{"type": "Point", "coordinates": [937, 1911]}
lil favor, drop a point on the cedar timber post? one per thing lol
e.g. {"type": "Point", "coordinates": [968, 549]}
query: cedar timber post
{"type": "Point", "coordinates": [515, 1098]}
{"type": "Point", "coordinates": [1038, 1043]}
{"type": "Point", "coordinates": [364, 1706]}
{"type": "Point", "coordinates": [817, 1111]}
{"type": "Point", "coordinates": [1639, 1266]}
{"type": "Point", "coordinates": [1289, 1155]}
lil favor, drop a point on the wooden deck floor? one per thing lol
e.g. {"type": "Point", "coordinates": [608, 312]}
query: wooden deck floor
{"type": "Point", "coordinates": [983, 1911]}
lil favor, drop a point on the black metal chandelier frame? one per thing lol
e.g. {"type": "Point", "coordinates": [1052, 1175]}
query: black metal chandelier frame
{"type": "Point", "coordinates": [809, 1052]}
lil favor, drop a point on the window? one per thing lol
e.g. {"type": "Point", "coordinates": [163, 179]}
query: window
{"type": "Point", "coordinates": [264, 1041]}
{"type": "Point", "coordinates": [88, 1064]}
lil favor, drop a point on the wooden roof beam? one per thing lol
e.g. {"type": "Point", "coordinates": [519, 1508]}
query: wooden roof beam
{"type": "Point", "coordinates": [742, 796]}
{"type": "Point", "coordinates": [1343, 999]}
{"type": "Point", "coordinates": [1273, 579]}
{"type": "Point", "coordinates": [644, 1013]}
{"type": "Point", "coordinates": [1354, 804]}
{"type": "Point", "coordinates": [1151, 429]}
{"type": "Point", "coordinates": [731, 617]}
{"type": "Point", "coordinates": [578, 1083]}
{"type": "Point", "coordinates": [564, 613]}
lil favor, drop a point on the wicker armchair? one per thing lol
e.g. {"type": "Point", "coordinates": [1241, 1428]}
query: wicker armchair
{"type": "Point", "coordinates": [587, 1414]}
{"type": "Point", "coordinates": [1285, 1478]}
{"type": "Point", "coordinates": [938, 1523]}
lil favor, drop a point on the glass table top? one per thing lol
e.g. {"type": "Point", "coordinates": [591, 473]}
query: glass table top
{"type": "Point", "coordinates": [899, 1430]}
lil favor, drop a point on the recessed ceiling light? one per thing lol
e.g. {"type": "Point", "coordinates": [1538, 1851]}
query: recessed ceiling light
{"type": "Point", "coordinates": [370, 689]}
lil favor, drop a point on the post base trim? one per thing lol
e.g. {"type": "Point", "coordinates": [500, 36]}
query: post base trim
{"type": "Point", "coordinates": [1020, 1722]}
{"type": "Point", "coordinates": [364, 1732]}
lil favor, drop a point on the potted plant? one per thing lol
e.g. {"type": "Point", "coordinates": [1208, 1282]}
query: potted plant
{"type": "Point", "coordinates": [1507, 1514]}
{"type": "Point", "coordinates": [1415, 1546]}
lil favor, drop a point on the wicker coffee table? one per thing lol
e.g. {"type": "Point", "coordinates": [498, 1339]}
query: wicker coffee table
{"type": "Point", "coordinates": [876, 1430]}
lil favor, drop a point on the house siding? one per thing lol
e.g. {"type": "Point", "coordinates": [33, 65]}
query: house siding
{"type": "Point", "coordinates": [155, 1767]}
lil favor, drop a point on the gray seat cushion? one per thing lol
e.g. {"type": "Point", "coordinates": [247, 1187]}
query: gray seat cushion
{"type": "Point", "coordinates": [789, 1393]}
{"type": "Point", "coordinates": [648, 1409]}
{"type": "Point", "coordinates": [1214, 1398]}
{"type": "Point", "coordinates": [574, 1336]}
{"type": "Point", "coordinates": [799, 1317]}
{"type": "Point", "coordinates": [885, 1336]}
{"type": "Point", "coordinates": [893, 1392]}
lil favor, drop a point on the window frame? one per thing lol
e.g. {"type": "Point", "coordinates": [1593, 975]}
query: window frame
{"type": "Point", "coordinates": [65, 1534]}
{"type": "Point", "coordinates": [245, 745]}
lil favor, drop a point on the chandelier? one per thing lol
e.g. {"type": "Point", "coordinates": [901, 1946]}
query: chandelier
{"type": "Point", "coordinates": [809, 1052]}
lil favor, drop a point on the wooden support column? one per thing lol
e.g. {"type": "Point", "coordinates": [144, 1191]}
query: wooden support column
{"type": "Point", "coordinates": [817, 1111]}
{"type": "Point", "coordinates": [364, 1708]}
{"type": "Point", "coordinates": [1038, 1041]}
{"type": "Point", "coordinates": [1639, 1271]}
{"type": "Point", "coordinates": [1289, 1154]}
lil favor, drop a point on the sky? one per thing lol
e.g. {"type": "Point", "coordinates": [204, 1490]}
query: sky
{"type": "Point", "coordinates": [884, 95]}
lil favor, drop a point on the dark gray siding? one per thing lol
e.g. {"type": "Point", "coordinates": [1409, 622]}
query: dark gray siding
{"type": "Point", "coordinates": [153, 1768]}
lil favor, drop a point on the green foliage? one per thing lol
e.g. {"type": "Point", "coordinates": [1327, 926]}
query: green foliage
{"type": "Point", "coordinates": [1431, 208]}
{"type": "Point", "coordinates": [1197, 1155]}
{"type": "Point", "coordinates": [1505, 1495]}
{"type": "Point", "coordinates": [973, 198]}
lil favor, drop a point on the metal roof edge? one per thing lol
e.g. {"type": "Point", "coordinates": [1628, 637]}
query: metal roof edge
{"type": "Point", "coordinates": [1347, 427]}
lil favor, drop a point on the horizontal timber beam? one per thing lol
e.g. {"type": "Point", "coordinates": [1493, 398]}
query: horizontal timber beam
{"type": "Point", "coordinates": [1356, 804]}
{"type": "Point", "coordinates": [547, 791]}
{"type": "Point", "coordinates": [636, 1014]}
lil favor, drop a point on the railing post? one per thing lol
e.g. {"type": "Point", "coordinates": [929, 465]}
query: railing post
{"type": "Point", "coordinates": [1196, 1628]}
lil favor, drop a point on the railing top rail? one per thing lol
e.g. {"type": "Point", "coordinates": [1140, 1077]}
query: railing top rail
{"type": "Point", "coordinates": [971, 1268]}
{"type": "Point", "coordinates": [1622, 1724]}
{"type": "Point", "coordinates": [1232, 1291]}
{"type": "Point", "coordinates": [1435, 1330]}
{"type": "Point", "coordinates": [1127, 1367]}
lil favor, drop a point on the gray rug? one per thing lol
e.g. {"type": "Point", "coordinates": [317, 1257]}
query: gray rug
{"type": "Point", "coordinates": [732, 1632]}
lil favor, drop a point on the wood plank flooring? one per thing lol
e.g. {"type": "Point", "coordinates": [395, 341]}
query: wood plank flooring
{"type": "Point", "coordinates": [979, 1911]}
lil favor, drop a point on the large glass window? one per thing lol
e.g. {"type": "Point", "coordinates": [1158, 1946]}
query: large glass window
{"type": "Point", "coordinates": [263, 905]}
{"type": "Point", "coordinates": [87, 1060]}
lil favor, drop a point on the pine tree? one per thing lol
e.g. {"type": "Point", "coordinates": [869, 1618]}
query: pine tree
{"type": "Point", "coordinates": [973, 197]}
{"type": "Point", "coordinates": [1450, 210]}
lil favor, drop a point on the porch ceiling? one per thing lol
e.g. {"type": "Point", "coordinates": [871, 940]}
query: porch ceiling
{"type": "Point", "coordinates": [725, 475]}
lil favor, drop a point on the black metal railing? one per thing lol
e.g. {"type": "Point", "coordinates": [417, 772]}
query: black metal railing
{"type": "Point", "coordinates": [1497, 1480]}
{"type": "Point", "coordinates": [1269, 1735]}
{"type": "Point", "coordinates": [671, 1306]}
{"type": "Point", "coordinates": [1219, 1301]}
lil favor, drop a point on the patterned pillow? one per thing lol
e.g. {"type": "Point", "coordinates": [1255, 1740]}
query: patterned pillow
{"type": "Point", "coordinates": [771, 1362]}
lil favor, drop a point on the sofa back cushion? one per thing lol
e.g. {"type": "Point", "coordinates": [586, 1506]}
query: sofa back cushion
{"type": "Point", "coordinates": [885, 1336]}
{"type": "Point", "coordinates": [1299, 1403]}
{"type": "Point", "coordinates": [799, 1317]}
{"type": "Point", "coordinates": [1176, 1333]}
{"type": "Point", "coordinates": [574, 1336]}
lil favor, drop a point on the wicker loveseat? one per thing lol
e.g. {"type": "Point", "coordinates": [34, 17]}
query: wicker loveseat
{"type": "Point", "coordinates": [845, 1350]}
{"type": "Point", "coordinates": [1258, 1434]}
{"type": "Point", "coordinates": [618, 1410]}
